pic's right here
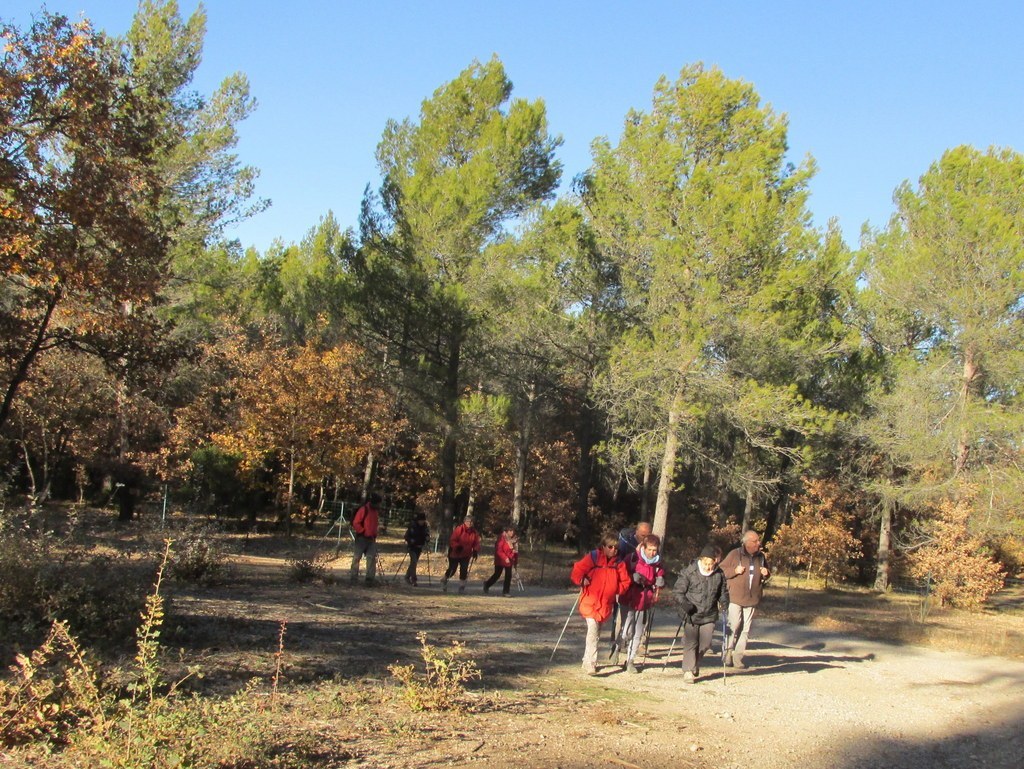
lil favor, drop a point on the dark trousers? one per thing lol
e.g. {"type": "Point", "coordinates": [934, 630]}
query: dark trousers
{"type": "Point", "coordinates": [462, 564]}
{"type": "Point", "coordinates": [414, 558]}
{"type": "Point", "coordinates": [507, 586]}
{"type": "Point", "coordinates": [696, 642]}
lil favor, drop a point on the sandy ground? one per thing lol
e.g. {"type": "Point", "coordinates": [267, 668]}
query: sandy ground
{"type": "Point", "coordinates": [810, 699]}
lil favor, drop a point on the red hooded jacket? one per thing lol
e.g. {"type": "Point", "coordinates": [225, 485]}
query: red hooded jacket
{"type": "Point", "coordinates": [608, 578]}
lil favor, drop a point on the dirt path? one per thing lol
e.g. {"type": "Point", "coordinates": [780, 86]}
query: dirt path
{"type": "Point", "coordinates": [810, 699]}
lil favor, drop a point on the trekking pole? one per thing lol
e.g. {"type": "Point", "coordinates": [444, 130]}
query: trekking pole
{"type": "Point", "coordinates": [648, 626]}
{"type": "Point", "coordinates": [673, 646]}
{"type": "Point", "coordinates": [400, 565]}
{"type": "Point", "coordinates": [428, 567]}
{"type": "Point", "coordinates": [725, 647]}
{"type": "Point", "coordinates": [519, 581]}
{"type": "Point", "coordinates": [571, 611]}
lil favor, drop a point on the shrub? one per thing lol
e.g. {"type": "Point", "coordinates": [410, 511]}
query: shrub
{"type": "Point", "coordinates": [198, 557]}
{"type": "Point", "coordinates": [98, 595]}
{"type": "Point", "coordinates": [818, 538]}
{"type": "Point", "coordinates": [309, 568]}
{"type": "Point", "coordinates": [956, 563]}
{"type": "Point", "coordinates": [441, 687]}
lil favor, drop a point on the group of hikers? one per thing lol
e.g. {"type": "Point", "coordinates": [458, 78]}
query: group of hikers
{"type": "Point", "coordinates": [620, 582]}
{"type": "Point", "coordinates": [463, 549]}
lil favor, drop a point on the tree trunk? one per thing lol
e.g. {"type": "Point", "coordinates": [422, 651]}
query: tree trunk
{"type": "Point", "coordinates": [368, 469]}
{"type": "Point", "coordinates": [584, 475]}
{"type": "Point", "coordinates": [449, 443]}
{"type": "Point", "coordinates": [748, 508]}
{"type": "Point", "coordinates": [21, 370]}
{"type": "Point", "coordinates": [882, 558]}
{"type": "Point", "coordinates": [645, 493]}
{"type": "Point", "coordinates": [971, 373]}
{"type": "Point", "coordinates": [668, 468]}
{"type": "Point", "coordinates": [522, 457]}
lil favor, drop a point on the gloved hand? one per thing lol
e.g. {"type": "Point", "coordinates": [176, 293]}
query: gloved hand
{"type": "Point", "coordinates": [638, 579]}
{"type": "Point", "coordinates": [659, 582]}
{"type": "Point", "coordinates": [585, 581]}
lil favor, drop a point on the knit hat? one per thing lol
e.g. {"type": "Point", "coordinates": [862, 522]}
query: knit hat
{"type": "Point", "coordinates": [710, 551]}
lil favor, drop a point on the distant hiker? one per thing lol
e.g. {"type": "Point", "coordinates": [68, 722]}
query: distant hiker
{"type": "Point", "coordinates": [746, 570]}
{"type": "Point", "coordinates": [647, 578]}
{"type": "Point", "coordinates": [602, 577]}
{"type": "Point", "coordinates": [463, 546]}
{"type": "Point", "coordinates": [365, 524]}
{"type": "Point", "coordinates": [416, 537]}
{"type": "Point", "coordinates": [506, 556]}
{"type": "Point", "coordinates": [700, 595]}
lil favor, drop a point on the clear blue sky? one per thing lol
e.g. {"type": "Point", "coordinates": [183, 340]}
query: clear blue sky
{"type": "Point", "coordinates": [874, 90]}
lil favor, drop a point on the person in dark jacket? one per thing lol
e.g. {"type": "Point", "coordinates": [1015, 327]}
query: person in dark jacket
{"type": "Point", "coordinates": [746, 570]}
{"type": "Point", "coordinates": [416, 537]}
{"type": "Point", "coordinates": [700, 594]}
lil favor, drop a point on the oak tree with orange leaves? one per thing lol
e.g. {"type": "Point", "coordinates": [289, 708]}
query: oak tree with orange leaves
{"type": "Point", "coordinates": [81, 245]}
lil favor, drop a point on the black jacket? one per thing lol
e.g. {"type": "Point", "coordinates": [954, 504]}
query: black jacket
{"type": "Point", "coordinates": [700, 598]}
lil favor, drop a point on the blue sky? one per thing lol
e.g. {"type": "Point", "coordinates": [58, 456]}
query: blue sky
{"type": "Point", "coordinates": [875, 91]}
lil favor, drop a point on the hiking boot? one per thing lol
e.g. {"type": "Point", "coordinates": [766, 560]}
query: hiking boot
{"type": "Point", "coordinates": [462, 586]}
{"type": "Point", "coordinates": [487, 588]}
{"type": "Point", "coordinates": [630, 667]}
{"type": "Point", "coordinates": [689, 677]}
{"type": "Point", "coordinates": [728, 660]}
{"type": "Point", "coordinates": [444, 584]}
{"type": "Point", "coordinates": [370, 583]}
{"type": "Point", "coordinates": [590, 670]}
{"type": "Point", "coordinates": [506, 595]}
{"type": "Point", "coordinates": [738, 664]}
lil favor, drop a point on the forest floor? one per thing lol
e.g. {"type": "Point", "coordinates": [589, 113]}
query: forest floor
{"type": "Point", "coordinates": [815, 695]}
{"type": "Point", "coordinates": [837, 679]}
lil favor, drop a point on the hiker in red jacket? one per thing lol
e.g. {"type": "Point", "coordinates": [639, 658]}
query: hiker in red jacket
{"type": "Point", "coordinates": [463, 546]}
{"type": "Point", "coordinates": [601, 577]}
{"type": "Point", "coordinates": [506, 556]}
{"type": "Point", "coordinates": [365, 524]}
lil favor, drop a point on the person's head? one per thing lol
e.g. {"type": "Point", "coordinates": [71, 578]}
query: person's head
{"type": "Point", "coordinates": [651, 544]}
{"type": "Point", "coordinates": [751, 541]}
{"type": "Point", "coordinates": [709, 557]}
{"type": "Point", "coordinates": [509, 531]}
{"type": "Point", "coordinates": [609, 544]}
{"type": "Point", "coordinates": [468, 521]}
{"type": "Point", "coordinates": [643, 530]}
{"type": "Point", "coordinates": [421, 517]}
{"type": "Point", "coordinates": [375, 498]}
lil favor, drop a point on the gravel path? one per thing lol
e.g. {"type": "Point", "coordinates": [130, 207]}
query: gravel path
{"type": "Point", "coordinates": [815, 699]}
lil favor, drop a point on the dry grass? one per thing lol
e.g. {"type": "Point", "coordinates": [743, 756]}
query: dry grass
{"type": "Point", "coordinates": [903, 617]}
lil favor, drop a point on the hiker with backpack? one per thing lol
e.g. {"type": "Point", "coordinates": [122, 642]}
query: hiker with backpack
{"type": "Point", "coordinates": [506, 556]}
{"type": "Point", "coordinates": [463, 547]}
{"type": "Point", "coordinates": [416, 537]}
{"type": "Point", "coordinates": [365, 525]}
{"type": "Point", "coordinates": [647, 577]}
{"type": "Point", "coordinates": [602, 577]}
{"type": "Point", "coordinates": [700, 594]}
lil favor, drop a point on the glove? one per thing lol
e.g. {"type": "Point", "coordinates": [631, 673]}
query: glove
{"type": "Point", "coordinates": [659, 582]}
{"type": "Point", "coordinates": [585, 581]}
{"type": "Point", "coordinates": [638, 579]}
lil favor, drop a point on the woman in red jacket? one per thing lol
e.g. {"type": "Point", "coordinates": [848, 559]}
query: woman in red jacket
{"type": "Point", "coordinates": [601, 577]}
{"type": "Point", "coordinates": [463, 546]}
{"type": "Point", "coordinates": [506, 556]}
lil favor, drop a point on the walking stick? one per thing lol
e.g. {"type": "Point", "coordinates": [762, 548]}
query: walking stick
{"type": "Point", "coordinates": [673, 646]}
{"type": "Point", "coordinates": [573, 609]}
{"type": "Point", "coordinates": [400, 565]}
{"type": "Point", "coordinates": [428, 567]}
{"type": "Point", "coordinates": [725, 647]}
{"type": "Point", "coordinates": [519, 581]}
{"type": "Point", "coordinates": [648, 625]}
